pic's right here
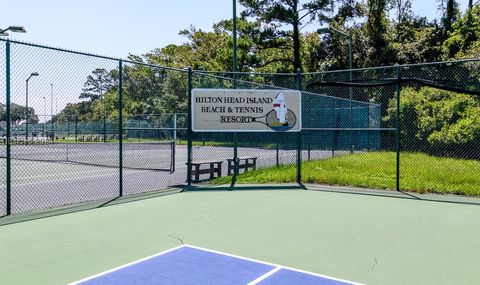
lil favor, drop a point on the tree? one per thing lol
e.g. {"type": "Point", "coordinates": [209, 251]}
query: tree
{"type": "Point", "coordinates": [439, 122]}
{"type": "Point", "coordinates": [273, 15]}
{"type": "Point", "coordinates": [450, 13]}
{"type": "Point", "coordinates": [417, 40]}
{"type": "Point", "coordinates": [313, 53]}
{"type": "Point", "coordinates": [212, 50]}
{"type": "Point", "coordinates": [99, 82]}
{"type": "Point", "coordinates": [463, 40]}
{"type": "Point", "coordinates": [348, 10]}
{"type": "Point", "coordinates": [18, 114]}
{"type": "Point", "coordinates": [376, 27]}
{"type": "Point", "coordinates": [80, 111]}
{"type": "Point", "coordinates": [403, 10]}
{"type": "Point", "coordinates": [175, 89]}
{"type": "Point", "coordinates": [142, 88]}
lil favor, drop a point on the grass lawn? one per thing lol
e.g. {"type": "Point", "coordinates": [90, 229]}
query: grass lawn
{"type": "Point", "coordinates": [418, 173]}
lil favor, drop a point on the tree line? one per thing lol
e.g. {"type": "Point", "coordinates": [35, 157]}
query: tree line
{"type": "Point", "coordinates": [271, 39]}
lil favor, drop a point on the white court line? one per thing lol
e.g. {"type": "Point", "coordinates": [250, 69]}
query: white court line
{"type": "Point", "coordinates": [74, 178]}
{"type": "Point", "coordinates": [265, 276]}
{"type": "Point", "coordinates": [58, 174]}
{"type": "Point", "coordinates": [126, 265]}
{"type": "Point", "coordinates": [273, 264]}
{"type": "Point", "coordinates": [277, 267]}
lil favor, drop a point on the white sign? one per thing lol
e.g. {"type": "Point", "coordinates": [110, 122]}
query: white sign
{"type": "Point", "coordinates": [246, 110]}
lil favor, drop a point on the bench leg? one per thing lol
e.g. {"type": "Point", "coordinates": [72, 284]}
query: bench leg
{"type": "Point", "coordinates": [212, 166]}
{"type": "Point", "coordinates": [197, 175]}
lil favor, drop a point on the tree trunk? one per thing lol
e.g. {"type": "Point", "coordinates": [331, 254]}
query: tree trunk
{"type": "Point", "coordinates": [297, 64]}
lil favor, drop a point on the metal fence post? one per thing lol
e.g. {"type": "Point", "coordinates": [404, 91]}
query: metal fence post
{"type": "Point", "coordinates": [235, 144]}
{"type": "Point", "coordinates": [277, 148]}
{"type": "Point", "coordinates": [234, 69]}
{"type": "Point", "coordinates": [104, 126]}
{"type": "Point", "coordinates": [189, 129]}
{"type": "Point", "coordinates": [350, 91]}
{"type": "Point", "coordinates": [174, 127]}
{"type": "Point", "coordinates": [76, 129]}
{"type": "Point", "coordinates": [53, 130]}
{"type": "Point", "coordinates": [8, 134]}
{"type": "Point", "coordinates": [399, 76]}
{"type": "Point", "coordinates": [299, 134]}
{"type": "Point", "coordinates": [120, 126]}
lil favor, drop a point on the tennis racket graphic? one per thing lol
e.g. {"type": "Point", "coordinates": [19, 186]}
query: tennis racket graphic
{"type": "Point", "coordinates": [270, 119]}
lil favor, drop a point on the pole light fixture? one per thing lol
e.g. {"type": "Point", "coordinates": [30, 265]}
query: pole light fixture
{"type": "Point", "coordinates": [15, 29]}
{"type": "Point", "coordinates": [26, 102]}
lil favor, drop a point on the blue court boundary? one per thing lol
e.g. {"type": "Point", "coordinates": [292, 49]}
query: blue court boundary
{"type": "Point", "coordinates": [276, 267]}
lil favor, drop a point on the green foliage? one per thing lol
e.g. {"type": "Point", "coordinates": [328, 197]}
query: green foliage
{"type": "Point", "coordinates": [417, 44]}
{"type": "Point", "coordinates": [274, 15]}
{"type": "Point", "coordinates": [439, 122]}
{"type": "Point", "coordinates": [175, 94]}
{"type": "Point", "coordinates": [464, 39]}
{"type": "Point", "coordinates": [450, 14]}
{"type": "Point", "coordinates": [377, 30]}
{"type": "Point", "coordinates": [18, 114]}
{"type": "Point", "coordinates": [99, 82]}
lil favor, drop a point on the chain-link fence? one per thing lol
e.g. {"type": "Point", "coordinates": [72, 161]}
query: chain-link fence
{"type": "Point", "coordinates": [77, 127]}
{"type": "Point", "coordinates": [412, 127]}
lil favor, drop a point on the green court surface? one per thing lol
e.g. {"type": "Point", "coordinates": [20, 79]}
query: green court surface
{"type": "Point", "coordinates": [368, 237]}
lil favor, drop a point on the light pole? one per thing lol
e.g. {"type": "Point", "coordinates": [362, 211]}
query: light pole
{"type": "Point", "coordinates": [52, 129]}
{"type": "Point", "coordinates": [51, 101]}
{"type": "Point", "coordinates": [15, 29]}
{"type": "Point", "coordinates": [102, 99]}
{"type": "Point", "coordinates": [350, 66]}
{"type": "Point", "coordinates": [51, 108]}
{"type": "Point", "coordinates": [26, 102]}
{"type": "Point", "coordinates": [44, 114]}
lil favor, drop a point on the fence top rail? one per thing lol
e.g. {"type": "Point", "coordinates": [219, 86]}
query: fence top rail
{"type": "Point", "coordinates": [344, 70]}
{"type": "Point", "coordinates": [185, 70]}
{"type": "Point", "coordinates": [242, 73]}
{"type": "Point", "coordinates": [395, 66]}
{"type": "Point", "coordinates": [91, 55]}
{"type": "Point", "coordinates": [284, 88]}
{"type": "Point", "coordinates": [60, 49]}
{"type": "Point", "coordinates": [210, 74]}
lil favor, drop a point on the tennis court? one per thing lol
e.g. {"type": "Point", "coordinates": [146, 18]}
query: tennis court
{"type": "Point", "coordinates": [55, 175]}
{"type": "Point", "coordinates": [185, 264]}
{"type": "Point", "coordinates": [366, 237]}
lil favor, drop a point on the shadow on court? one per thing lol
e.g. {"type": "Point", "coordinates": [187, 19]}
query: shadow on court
{"type": "Point", "coordinates": [453, 199]}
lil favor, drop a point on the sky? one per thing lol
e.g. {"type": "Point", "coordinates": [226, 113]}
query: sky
{"type": "Point", "coordinates": [119, 27]}
{"type": "Point", "coordinates": [113, 28]}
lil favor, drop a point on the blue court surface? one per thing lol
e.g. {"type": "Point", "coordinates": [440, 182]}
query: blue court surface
{"type": "Point", "coordinates": [188, 264]}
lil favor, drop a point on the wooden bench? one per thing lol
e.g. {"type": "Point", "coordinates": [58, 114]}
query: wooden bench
{"type": "Point", "coordinates": [243, 163]}
{"type": "Point", "coordinates": [213, 167]}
